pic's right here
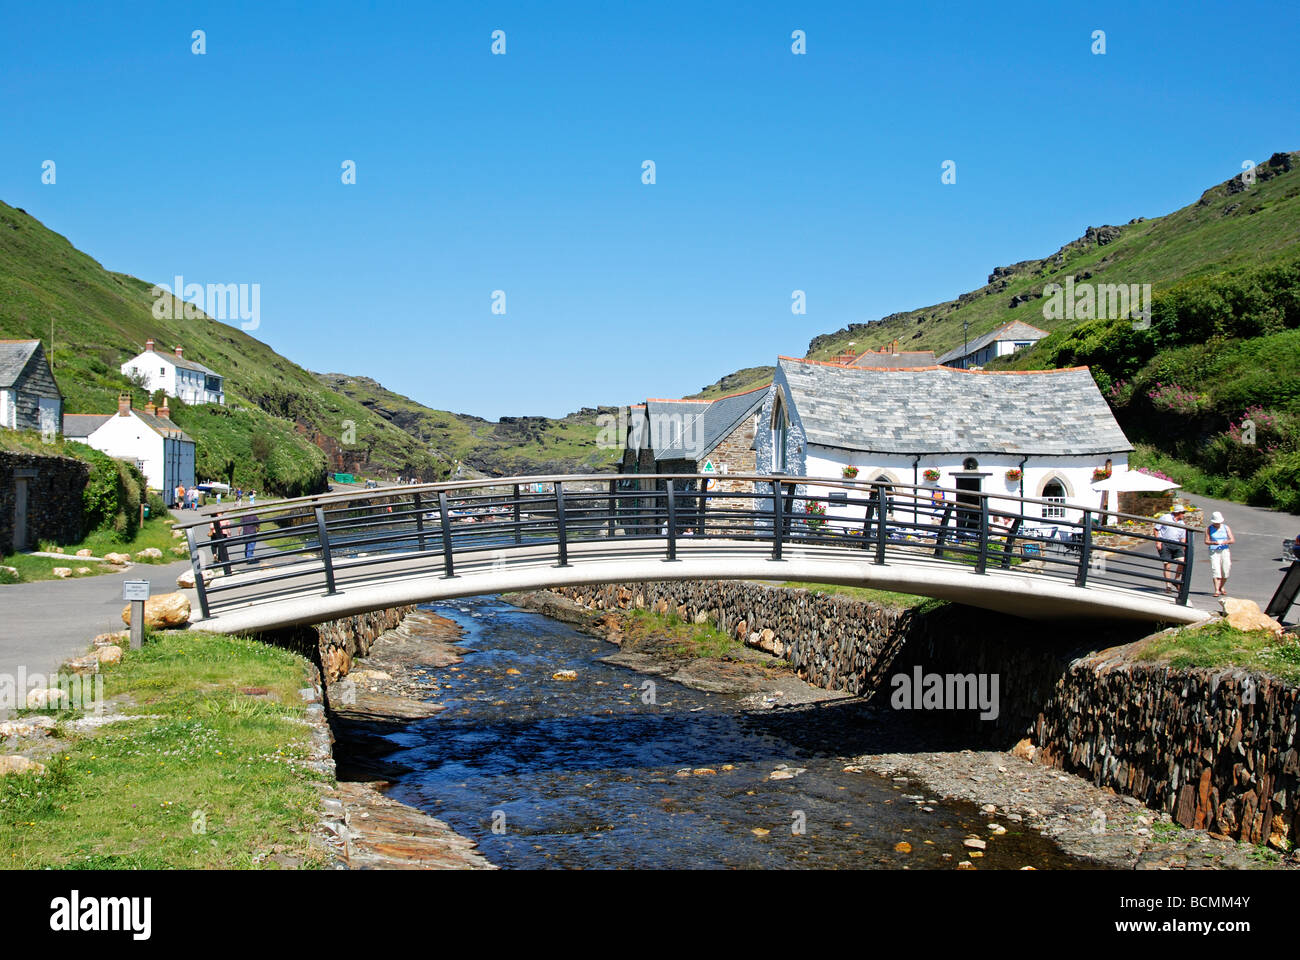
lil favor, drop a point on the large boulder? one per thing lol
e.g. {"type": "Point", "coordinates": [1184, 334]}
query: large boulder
{"type": "Point", "coordinates": [1245, 615]}
{"type": "Point", "coordinates": [109, 654]}
{"type": "Point", "coordinates": [149, 553]}
{"type": "Point", "coordinates": [118, 559]}
{"type": "Point", "coordinates": [19, 764]}
{"type": "Point", "coordinates": [47, 698]}
{"type": "Point", "coordinates": [164, 610]}
{"type": "Point", "coordinates": [62, 572]}
{"type": "Point", "coordinates": [186, 580]}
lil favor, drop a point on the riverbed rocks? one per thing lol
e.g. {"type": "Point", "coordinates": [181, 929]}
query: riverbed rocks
{"type": "Point", "coordinates": [162, 611]}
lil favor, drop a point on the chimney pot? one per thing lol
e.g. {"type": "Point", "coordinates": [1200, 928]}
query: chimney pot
{"type": "Point", "coordinates": [178, 351]}
{"type": "Point", "coordinates": [164, 411]}
{"type": "Point", "coordinates": [124, 405]}
{"type": "Point", "coordinates": [148, 345]}
{"type": "Point", "coordinates": [149, 408]}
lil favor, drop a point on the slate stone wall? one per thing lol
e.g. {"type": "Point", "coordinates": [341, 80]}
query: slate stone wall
{"type": "Point", "coordinates": [1215, 748]}
{"type": "Point", "coordinates": [54, 506]}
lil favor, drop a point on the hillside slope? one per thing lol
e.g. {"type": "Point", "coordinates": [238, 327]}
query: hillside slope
{"type": "Point", "coordinates": [511, 446]}
{"type": "Point", "coordinates": [1232, 224]}
{"type": "Point", "coordinates": [101, 319]}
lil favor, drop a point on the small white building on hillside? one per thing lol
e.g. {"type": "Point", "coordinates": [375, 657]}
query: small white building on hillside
{"type": "Point", "coordinates": [163, 451]}
{"type": "Point", "coordinates": [30, 398]}
{"type": "Point", "coordinates": [177, 377]}
{"type": "Point", "coordinates": [1006, 339]}
{"type": "Point", "coordinates": [1038, 434]}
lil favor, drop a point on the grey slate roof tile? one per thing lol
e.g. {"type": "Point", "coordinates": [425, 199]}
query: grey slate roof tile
{"type": "Point", "coordinates": [948, 410]}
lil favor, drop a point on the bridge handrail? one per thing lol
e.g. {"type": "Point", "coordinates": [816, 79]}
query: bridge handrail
{"type": "Point", "coordinates": [279, 506]}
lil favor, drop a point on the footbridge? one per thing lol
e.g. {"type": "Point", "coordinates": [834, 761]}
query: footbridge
{"type": "Point", "coordinates": [318, 558]}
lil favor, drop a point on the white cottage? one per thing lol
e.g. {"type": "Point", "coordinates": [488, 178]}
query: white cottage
{"type": "Point", "coordinates": [1038, 434]}
{"type": "Point", "coordinates": [1005, 340]}
{"type": "Point", "coordinates": [162, 450]}
{"type": "Point", "coordinates": [177, 377]}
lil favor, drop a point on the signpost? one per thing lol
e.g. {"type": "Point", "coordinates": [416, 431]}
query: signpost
{"type": "Point", "coordinates": [136, 592]}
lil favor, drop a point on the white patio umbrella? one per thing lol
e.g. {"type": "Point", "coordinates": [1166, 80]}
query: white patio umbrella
{"type": "Point", "coordinates": [1134, 481]}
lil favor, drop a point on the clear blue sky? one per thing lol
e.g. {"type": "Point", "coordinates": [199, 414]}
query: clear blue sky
{"type": "Point", "coordinates": [522, 172]}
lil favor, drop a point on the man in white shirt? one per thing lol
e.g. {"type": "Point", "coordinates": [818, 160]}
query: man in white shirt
{"type": "Point", "coordinates": [1172, 544]}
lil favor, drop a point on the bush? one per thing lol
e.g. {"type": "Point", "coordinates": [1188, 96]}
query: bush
{"type": "Point", "coordinates": [157, 508]}
{"type": "Point", "coordinates": [113, 494]}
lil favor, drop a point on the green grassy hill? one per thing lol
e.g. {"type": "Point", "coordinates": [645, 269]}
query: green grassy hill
{"type": "Point", "coordinates": [101, 319]}
{"type": "Point", "coordinates": [511, 446]}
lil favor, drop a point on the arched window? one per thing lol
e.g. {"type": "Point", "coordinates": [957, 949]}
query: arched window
{"type": "Point", "coordinates": [970, 463]}
{"type": "Point", "coordinates": [1054, 490]}
{"type": "Point", "coordinates": [780, 432]}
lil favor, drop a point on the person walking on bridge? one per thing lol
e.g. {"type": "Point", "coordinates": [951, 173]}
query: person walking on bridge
{"type": "Point", "coordinates": [248, 527]}
{"type": "Point", "coordinates": [1218, 537]}
{"type": "Point", "coordinates": [1172, 544]}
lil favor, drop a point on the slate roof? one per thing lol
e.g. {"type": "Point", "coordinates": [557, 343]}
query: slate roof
{"type": "Point", "coordinates": [83, 424]}
{"type": "Point", "coordinates": [713, 424]}
{"type": "Point", "coordinates": [1015, 330]}
{"type": "Point", "coordinates": [14, 355]}
{"type": "Point", "coordinates": [948, 410]}
{"type": "Point", "coordinates": [189, 364]}
{"type": "Point", "coordinates": [904, 358]}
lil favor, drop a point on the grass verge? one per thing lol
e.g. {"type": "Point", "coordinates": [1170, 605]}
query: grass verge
{"type": "Point", "coordinates": [1216, 644]}
{"type": "Point", "coordinates": [886, 598]}
{"type": "Point", "coordinates": [155, 532]}
{"type": "Point", "coordinates": [212, 774]}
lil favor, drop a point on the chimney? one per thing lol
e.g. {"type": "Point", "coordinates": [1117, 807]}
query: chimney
{"type": "Point", "coordinates": [178, 352]}
{"type": "Point", "coordinates": [895, 346]}
{"type": "Point", "coordinates": [164, 411]}
{"type": "Point", "coordinates": [148, 345]}
{"type": "Point", "coordinates": [124, 405]}
{"type": "Point", "coordinates": [149, 408]}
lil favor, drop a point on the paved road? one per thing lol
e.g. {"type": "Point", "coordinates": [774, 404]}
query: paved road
{"type": "Point", "coordinates": [42, 624]}
{"type": "Point", "coordinates": [1257, 565]}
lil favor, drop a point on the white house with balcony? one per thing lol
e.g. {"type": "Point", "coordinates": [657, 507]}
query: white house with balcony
{"type": "Point", "coordinates": [188, 380]}
{"type": "Point", "coordinates": [1041, 434]}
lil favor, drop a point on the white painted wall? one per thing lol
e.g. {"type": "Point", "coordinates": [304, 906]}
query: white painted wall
{"type": "Point", "coordinates": [1074, 472]}
{"type": "Point", "coordinates": [161, 373]}
{"type": "Point", "coordinates": [8, 414]}
{"type": "Point", "coordinates": [165, 461]}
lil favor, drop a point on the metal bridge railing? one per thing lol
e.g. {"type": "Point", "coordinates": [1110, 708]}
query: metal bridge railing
{"type": "Point", "coordinates": [439, 525]}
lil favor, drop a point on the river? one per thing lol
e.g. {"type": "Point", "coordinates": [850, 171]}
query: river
{"type": "Point", "coordinates": [585, 773]}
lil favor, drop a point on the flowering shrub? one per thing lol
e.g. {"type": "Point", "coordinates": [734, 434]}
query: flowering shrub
{"type": "Point", "coordinates": [1119, 393]}
{"type": "Point", "coordinates": [931, 476]}
{"type": "Point", "coordinates": [816, 514]}
{"type": "Point", "coordinates": [850, 472]}
{"type": "Point", "coordinates": [1175, 399]}
{"type": "Point", "coordinates": [1158, 474]}
{"type": "Point", "coordinates": [1014, 475]}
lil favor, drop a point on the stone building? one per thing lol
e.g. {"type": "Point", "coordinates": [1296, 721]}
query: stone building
{"type": "Point", "coordinates": [30, 398]}
{"type": "Point", "coordinates": [1040, 434]}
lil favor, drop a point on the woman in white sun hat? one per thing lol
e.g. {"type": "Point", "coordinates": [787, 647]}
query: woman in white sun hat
{"type": "Point", "coordinates": [1218, 537]}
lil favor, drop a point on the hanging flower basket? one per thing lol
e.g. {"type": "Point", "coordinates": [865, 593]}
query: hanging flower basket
{"type": "Point", "coordinates": [931, 476]}
{"type": "Point", "coordinates": [850, 472]}
{"type": "Point", "coordinates": [1101, 473]}
{"type": "Point", "coordinates": [1014, 475]}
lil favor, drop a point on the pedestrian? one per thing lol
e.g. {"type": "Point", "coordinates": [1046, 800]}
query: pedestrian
{"type": "Point", "coordinates": [239, 495]}
{"type": "Point", "coordinates": [1171, 545]}
{"type": "Point", "coordinates": [218, 530]}
{"type": "Point", "coordinates": [252, 498]}
{"type": "Point", "coordinates": [179, 494]}
{"type": "Point", "coordinates": [249, 529]}
{"type": "Point", "coordinates": [1218, 537]}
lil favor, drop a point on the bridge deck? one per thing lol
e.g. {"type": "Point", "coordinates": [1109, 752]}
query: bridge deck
{"type": "Point", "coordinates": [371, 583]}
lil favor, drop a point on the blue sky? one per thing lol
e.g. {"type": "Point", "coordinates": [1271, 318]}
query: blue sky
{"type": "Point", "coordinates": [522, 172]}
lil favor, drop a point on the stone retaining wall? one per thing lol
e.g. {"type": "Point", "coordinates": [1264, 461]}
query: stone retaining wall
{"type": "Point", "coordinates": [54, 506]}
{"type": "Point", "coordinates": [334, 644]}
{"type": "Point", "coordinates": [1187, 741]}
